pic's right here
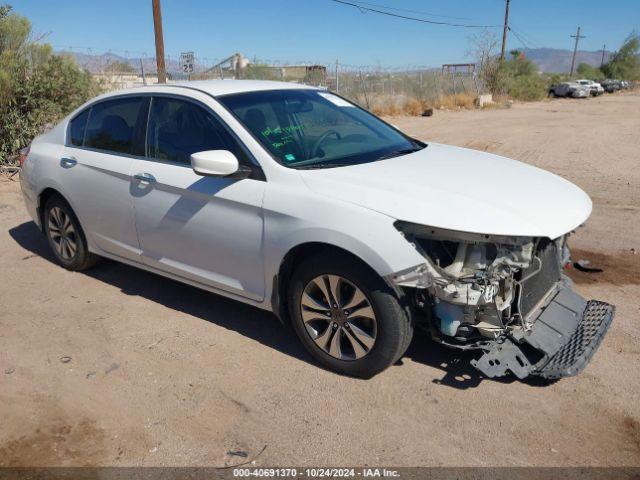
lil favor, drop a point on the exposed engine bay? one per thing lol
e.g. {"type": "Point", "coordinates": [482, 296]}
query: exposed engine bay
{"type": "Point", "coordinates": [505, 296]}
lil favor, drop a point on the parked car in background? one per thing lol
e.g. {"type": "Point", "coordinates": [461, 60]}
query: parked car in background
{"type": "Point", "coordinates": [296, 201]}
{"type": "Point", "coordinates": [569, 89]}
{"type": "Point", "coordinates": [611, 85]}
{"type": "Point", "coordinates": [594, 87]}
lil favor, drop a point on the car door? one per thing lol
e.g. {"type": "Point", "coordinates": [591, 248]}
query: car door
{"type": "Point", "coordinates": [101, 143]}
{"type": "Point", "coordinates": [205, 229]}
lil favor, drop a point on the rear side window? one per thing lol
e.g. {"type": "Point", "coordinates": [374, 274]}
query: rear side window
{"type": "Point", "coordinates": [178, 128]}
{"type": "Point", "coordinates": [77, 128]}
{"type": "Point", "coordinates": [112, 125]}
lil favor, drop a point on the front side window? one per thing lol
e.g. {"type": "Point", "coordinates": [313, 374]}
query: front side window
{"type": "Point", "coordinates": [316, 129]}
{"type": "Point", "coordinates": [112, 125]}
{"type": "Point", "coordinates": [177, 128]}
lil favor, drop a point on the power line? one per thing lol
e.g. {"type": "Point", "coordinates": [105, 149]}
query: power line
{"type": "Point", "coordinates": [405, 17]}
{"type": "Point", "coordinates": [524, 44]}
{"type": "Point", "coordinates": [395, 9]}
{"type": "Point", "coordinates": [528, 38]}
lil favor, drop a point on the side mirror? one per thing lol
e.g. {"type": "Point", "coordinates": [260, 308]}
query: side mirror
{"type": "Point", "coordinates": [214, 163]}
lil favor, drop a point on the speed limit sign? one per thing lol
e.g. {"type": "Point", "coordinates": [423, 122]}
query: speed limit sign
{"type": "Point", "coordinates": [187, 62]}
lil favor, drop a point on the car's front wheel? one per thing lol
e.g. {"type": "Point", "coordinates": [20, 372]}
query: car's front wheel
{"type": "Point", "coordinates": [347, 317]}
{"type": "Point", "coordinates": [65, 236]}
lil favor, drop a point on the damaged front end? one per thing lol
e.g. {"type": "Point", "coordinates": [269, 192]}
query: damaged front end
{"type": "Point", "coordinates": [506, 297]}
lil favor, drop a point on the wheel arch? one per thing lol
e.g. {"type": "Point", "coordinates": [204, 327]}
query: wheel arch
{"type": "Point", "coordinates": [292, 258]}
{"type": "Point", "coordinates": [43, 198]}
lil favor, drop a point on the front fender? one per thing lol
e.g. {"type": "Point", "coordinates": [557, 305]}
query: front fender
{"type": "Point", "coordinates": [369, 235]}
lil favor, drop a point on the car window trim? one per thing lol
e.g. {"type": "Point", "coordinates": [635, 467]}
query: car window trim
{"type": "Point", "coordinates": [67, 135]}
{"type": "Point", "coordinates": [258, 172]}
{"type": "Point", "coordinates": [90, 108]}
{"type": "Point", "coordinates": [196, 103]}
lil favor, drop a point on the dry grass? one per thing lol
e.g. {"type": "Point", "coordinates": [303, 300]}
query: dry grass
{"type": "Point", "coordinates": [460, 100]}
{"type": "Point", "coordinates": [401, 105]}
{"type": "Point", "coordinates": [413, 107]}
{"type": "Point", "coordinates": [387, 107]}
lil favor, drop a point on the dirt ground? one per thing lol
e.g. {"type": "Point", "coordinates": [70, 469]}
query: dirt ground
{"type": "Point", "coordinates": [164, 374]}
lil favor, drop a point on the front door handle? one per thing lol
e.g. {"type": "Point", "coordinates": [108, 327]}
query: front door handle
{"type": "Point", "coordinates": [68, 162]}
{"type": "Point", "coordinates": [144, 178]}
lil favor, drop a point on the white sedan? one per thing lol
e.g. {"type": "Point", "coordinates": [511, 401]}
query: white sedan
{"type": "Point", "coordinates": [594, 87]}
{"type": "Point", "coordinates": [297, 201]}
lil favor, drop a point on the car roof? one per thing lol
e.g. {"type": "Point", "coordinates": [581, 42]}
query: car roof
{"type": "Point", "coordinates": [225, 87]}
{"type": "Point", "coordinates": [216, 88]}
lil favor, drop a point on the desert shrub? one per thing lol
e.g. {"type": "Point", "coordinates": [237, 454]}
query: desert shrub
{"type": "Point", "coordinates": [36, 87]}
{"type": "Point", "coordinates": [413, 107]}
{"type": "Point", "coordinates": [259, 71]}
{"type": "Point", "coordinates": [522, 80]}
{"type": "Point", "coordinates": [460, 100]}
{"type": "Point", "coordinates": [120, 66]}
{"type": "Point", "coordinates": [527, 88]}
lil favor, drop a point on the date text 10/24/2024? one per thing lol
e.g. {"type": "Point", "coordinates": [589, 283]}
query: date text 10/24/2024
{"type": "Point", "coordinates": [316, 472]}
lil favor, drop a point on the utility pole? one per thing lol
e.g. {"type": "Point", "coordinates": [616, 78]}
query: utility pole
{"type": "Point", "coordinates": [577, 36]}
{"type": "Point", "coordinates": [604, 48]}
{"type": "Point", "coordinates": [504, 32]}
{"type": "Point", "coordinates": [337, 78]}
{"type": "Point", "coordinates": [144, 79]}
{"type": "Point", "coordinates": [157, 25]}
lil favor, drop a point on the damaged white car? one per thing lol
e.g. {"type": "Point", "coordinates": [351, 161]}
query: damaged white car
{"type": "Point", "coordinates": [294, 200]}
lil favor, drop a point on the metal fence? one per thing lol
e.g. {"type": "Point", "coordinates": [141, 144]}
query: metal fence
{"type": "Point", "coordinates": [408, 90]}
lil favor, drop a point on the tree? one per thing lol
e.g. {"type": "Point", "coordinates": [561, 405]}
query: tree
{"type": "Point", "coordinates": [483, 47]}
{"type": "Point", "coordinates": [587, 71]}
{"type": "Point", "coordinates": [517, 77]}
{"type": "Point", "coordinates": [120, 66]}
{"type": "Point", "coordinates": [36, 87]}
{"type": "Point", "coordinates": [625, 63]}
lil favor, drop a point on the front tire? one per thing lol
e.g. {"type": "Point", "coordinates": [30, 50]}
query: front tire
{"type": "Point", "coordinates": [347, 317]}
{"type": "Point", "coordinates": [66, 237]}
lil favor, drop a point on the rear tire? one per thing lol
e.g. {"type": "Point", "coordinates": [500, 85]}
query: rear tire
{"type": "Point", "coordinates": [368, 329]}
{"type": "Point", "coordinates": [66, 237]}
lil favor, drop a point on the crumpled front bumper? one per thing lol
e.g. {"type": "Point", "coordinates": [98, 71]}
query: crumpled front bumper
{"type": "Point", "coordinates": [563, 339]}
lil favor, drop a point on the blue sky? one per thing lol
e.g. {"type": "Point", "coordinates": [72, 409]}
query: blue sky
{"type": "Point", "coordinates": [320, 30]}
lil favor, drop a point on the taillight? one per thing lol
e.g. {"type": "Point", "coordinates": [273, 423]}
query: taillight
{"type": "Point", "coordinates": [22, 156]}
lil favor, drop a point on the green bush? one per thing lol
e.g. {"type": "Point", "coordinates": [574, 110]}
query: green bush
{"type": "Point", "coordinates": [522, 80]}
{"type": "Point", "coordinates": [37, 88]}
{"type": "Point", "coordinates": [527, 88]}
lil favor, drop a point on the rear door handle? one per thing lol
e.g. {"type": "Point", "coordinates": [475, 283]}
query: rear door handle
{"type": "Point", "coordinates": [68, 162]}
{"type": "Point", "coordinates": [144, 178]}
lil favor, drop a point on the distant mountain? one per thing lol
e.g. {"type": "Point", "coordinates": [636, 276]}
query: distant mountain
{"type": "Point", "coordinates": [102, 63]}
{"type": "Point", "coordinates": [559, 61]}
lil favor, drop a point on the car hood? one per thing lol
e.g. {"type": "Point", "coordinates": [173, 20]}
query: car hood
{"type": "Point", "coordinates": [459, 189]}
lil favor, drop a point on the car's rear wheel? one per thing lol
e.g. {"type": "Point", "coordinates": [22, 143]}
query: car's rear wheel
{"type": "Point", "coordinates": [347, 317]}
{"type": "Point", "coordinates": [65, 236]}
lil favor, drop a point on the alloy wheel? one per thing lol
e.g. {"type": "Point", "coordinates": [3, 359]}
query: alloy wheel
{"type": "Point", "coordinates": [338, 317]}
{"type": "Point", "coordinates": [62, 233]}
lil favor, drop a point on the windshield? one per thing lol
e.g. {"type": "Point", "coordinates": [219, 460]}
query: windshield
{"type": "Point", "coordinates": [316, 129]}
